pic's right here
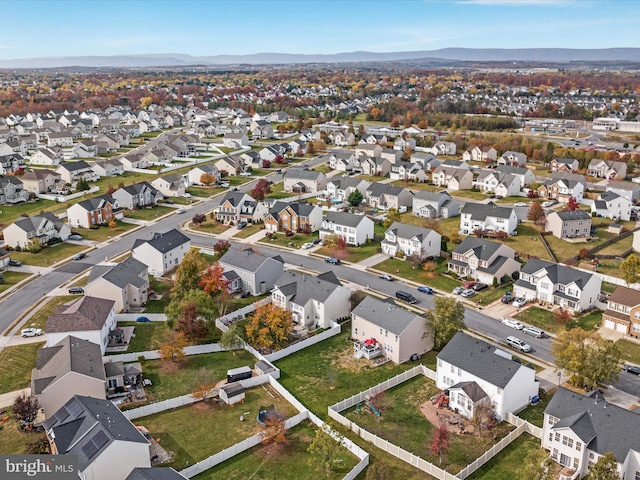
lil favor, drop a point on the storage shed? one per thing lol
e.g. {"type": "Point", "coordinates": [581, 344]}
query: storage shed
{"type": "Point", "coordinates": [240, 373]}
{"type": "Point", "coordinates": [232, 393]}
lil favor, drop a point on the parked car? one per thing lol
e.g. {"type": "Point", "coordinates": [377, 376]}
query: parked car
{"type": "Point", "coordinates": [143, 319]}
{"type": "Point", "coordinates": [307, 245]}
{"type": "Point", "coordinates": [15, 263]}
{"type": "Point", "coordinates": [519, 302]}
{"type": "Point", "coordinates": [632, 369]}
{"type": "Point", "coordinates": [333, 260]}
{"type": "Point", "coordinates": [76, 290]}
{"type": "Point", "coordinates": [424, 289]}
{"type": "Point", "coordinates": [507, 298]}
{"type": "Point", "coordinates": [469, 284]}
{"type": "Point", "coordinates": [468, 293]}
{"type": "Point", "coordinates": [520, 204]}
{"type": "Point", "coordinates": [224, 184]}
{"type": "Point", "coordinates": [234, 189]}
{"type": "Point", "coordinates": [385, 276]}
{"type": "Point", "coordinates": [458, 290]}
{"type": "Point", "coordinates": [241, 225]}
{"type": "Point", "coordinates": [547, 204]}
{"type": "Point", "coordinates": [478, 287]}
{"type": "Point", "coordinates": [75, 237]}
{"type": "Point", "coordinates": [534, 332]}
{"type": "Point", "coordinates": [510, 322]}
{"type": "Point", "coordinates": [169, 201]}
{"type": "Point", "coordinates": [31, 332]}
{"type": "Point", "coordinates": [79, 256]}
{"type": "Point", "coordinates": [186, 195]}
{"type": "Point", "coordinates": [316, 241]}
{"type": "Point", "coordinates": [518, 344]}
{"type": "Point", "coordinates": [180, 210]}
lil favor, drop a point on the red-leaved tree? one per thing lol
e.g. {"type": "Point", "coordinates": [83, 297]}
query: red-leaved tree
{"type": "Point", "coordinates": [440, 442]}
{"type": "Point", "coordinates": [572, 204]}
{"type": "Point", "coordinates": [213, 281]}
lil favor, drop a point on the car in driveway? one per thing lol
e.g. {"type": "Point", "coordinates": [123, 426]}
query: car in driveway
{"type": "Point", "coordinates": [15, 263]}
{"type": "Point", "coordinates": [241, 225]}
{"type": "Point", "coordinates": [31, 332]}
{"type": "Point", "coordinates": [469, 284]}
{"type": "Point", "coordinates": [458, 290]}
{"type": "Point", "coordinates": [519, 302]}
{"type": "Point", "coordinates": [478, 287]}
{"type": "Point", "coordinates": [518, 344]}
{"type": "Point", "coordinates": [510, 322]}
{"type": "Point", "coordinates": [307, 245]}
{"type": "Point", "coordinates": [186, 195]}
{"type": "Point", "coordinates": [520, 204]}
{"type": "Point", "coordinates": [507, 298]}
{"type": "Point", "coordinates": [424, 289]}
{"type": "Point", "coordinates": [547, 204]}
{"type": "Point", "coordinates": [316, 241]}
{"type": "Point", "coordinates": [385, 276]}
{"type": "Point", "coordinates": [76, 291]}
{"type": "Point", "coordinates": [468, 293]}
{"type": "Point", "coordinates": [632, 369]}
{"type": "Point", "coordinates": [74, 237]}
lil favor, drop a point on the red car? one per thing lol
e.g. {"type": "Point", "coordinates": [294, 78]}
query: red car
{"type": "Point", "coordinates": [469, 284]}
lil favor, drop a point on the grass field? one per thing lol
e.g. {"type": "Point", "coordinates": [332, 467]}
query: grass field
{"type": "Point", "coordinates": [205, 192]}
{"type": "Point", "coordinates": [435, 279]}
{"type": "Point", "coordinates": [148, 336]}
{"type": "Point", "coordinates": [288, 464]}
{"type": "Point", "coordinates": [12, 439]}
{"type": "Point", "coordinates": [196, 432]}
{"type": "Point", "coordinates": [17, 363]}
{"type": "Point", "coordinates": [630, 350]}
{"type": "Point", "coordinates": [102, 233]}
{"type": "Point", "coordinates": [211, 226]}
{"type": "Point", "coordinates": [351, 254]}
{"type": "Point", "coordinates": [48, 255]}
{"type": "Point", "coordinates": [11, 278]}
{"type": "Point", "coordinates": [149, 213]}
{"type": "Point", "coordinates": [277, 192]}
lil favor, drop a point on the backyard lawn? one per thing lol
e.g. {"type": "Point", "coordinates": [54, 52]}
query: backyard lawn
{"type": "Point", "coordinates": [543, 318]}
{"type": "Point", "coordinates": [196, 432]}
{"type": "Point", "coordinates": [102, 233]}
{"type": "Point", "coordinates": [11, 212]}
{"type": "Point", "coordinates": [351, 254]}
{"type": "Point", "coordinates": [288, 464]}
{"type": "Point", "coordinates": [149, 213]}
{"type": "Point", "coordinates": [402, 423]}
{"type": "Point", "coordinates": [535, 413]}
{"type": "Point", "coordinates": [12, 439]}
{"type": "Point", "coordinates": [48, 255]}
{"type": "Point", "coordinates": [148, 336]}
{"type": "Point", "coordinates": [505, 465]}
{"type": "Point", "coordinates": [277, 192]}
{"type": "Point", "coordinates": [159, 306]}
{"type": "Point", "coordinates": [11, 278]}
{"type": "Point", "coordinates": [469, 194]}
{"type": "Point", "coordinates": [416, 186]}
{"type": "Point", "coordinates": [17, 363]}
{"type": "Point", "coordinates": [39, 319]}
{"type": "Point", "coordinates": [435, 279]}
{"type": "Point", "coordinates": [630, 350]}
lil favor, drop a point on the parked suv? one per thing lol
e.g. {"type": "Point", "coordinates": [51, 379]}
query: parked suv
{"type": "Point", "coordinates": [76, 290]}
{"type": "Point", "coordinates": [335, 261]}
{"type": "Point", "coordinates": [518, 344]}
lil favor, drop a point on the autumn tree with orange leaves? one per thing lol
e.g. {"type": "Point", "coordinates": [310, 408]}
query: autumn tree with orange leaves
{"type": "Point", "coordinates": [269, 327]}
{"type": "Point", "coordinates": [213, 281]}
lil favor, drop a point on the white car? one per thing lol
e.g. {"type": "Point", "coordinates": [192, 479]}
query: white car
{"type": "Point", "coordinates": [519, 344]}
{"type": "Point", "coordinates": [509, 322]}
{"type": "Point", "coordinates": [519, 302]}
{"type": "Point", "coordinates": [386, 276]}
{"type": "Point", "coordinates": [547, 204]}
{"type": "Point", "coordinates": [31, 332]}
{"type": "Point", "coordinates": [186, 195]}
{"type": "Point", "coordinates": [180, 210]}
{"type": "Point", "coordinates": [307, 245]}
{"type": "Point", "coordinates": [520, 204]}
{"type": "Point", "coordinates": [245, 174]}
{"type": "Point", "coordinates": [468, 293]}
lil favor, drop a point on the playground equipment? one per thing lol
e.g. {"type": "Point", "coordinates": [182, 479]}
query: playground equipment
{"type": "Point", "coordinates": [441, 399]}
{"type": "Point", "coordinates": [267, 413]}
{"type": "Point", "coordinates": [371, 405]}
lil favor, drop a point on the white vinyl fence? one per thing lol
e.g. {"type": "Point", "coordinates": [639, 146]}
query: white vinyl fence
{"type": "Point", "coordinates": [154, 355]}
{"type": "Point", "coordinates": [158, 407]}
{"type": "Point", "coordinates": [132, 317]}
{"type": "Point", "coordinates": [307, 342]}
{"type": "Point", "coordinates": [66, 198]}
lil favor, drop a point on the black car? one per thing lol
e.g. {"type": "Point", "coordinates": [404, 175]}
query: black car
{"type": "Point", "coordinates": [335, 261]}
{"type": "Point", "coordinates": [241, 225]}
{"type": "Point", "coordinates": [508, 298]}
{"type": "Point", "coordinates": [632, 369]}
{"type": "Point", "coordinates": [15, 263]}
{"type": "Point", "coordinates": [479, 287]}
{"type": "Point", "coordinates": [79, 256]}
{"type": "Point", "coordinates": [316, 241]}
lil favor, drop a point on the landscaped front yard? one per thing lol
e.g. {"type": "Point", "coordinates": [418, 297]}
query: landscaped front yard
{"type": "Point", "coordinates": [435, 279]}
{"type": "Point", "coordinates": [198, 431]}
{"type": "Point", "coordinates": [17, 363]}
{"type": "Point", "coordinates": [48, 255]}
{"type": "Point", "coordinates": [630, 350]}
{"type": "Point", "coordinates": [491, 294]}
{"type": "Point", "coordinates": [104, 232]}
{"type": "Point", "coordinates": [149, 214]}
{"type": "Point", "coordinates": [294, 241]}
{"type": "Point", "coordinates": [277, 192]}
{"type": "Point", "coordinates": [11, 278]}
{"type": "Point", "coordinates": [248, 231]}
{"type": "Point", "coordinates": [204, 192]}
{"type": "Point", "coordinates": [543, 318]}
{"type": "Point", "coordinates": [351, 254]}
{"type": "Point", "coordinates": [210, 226]}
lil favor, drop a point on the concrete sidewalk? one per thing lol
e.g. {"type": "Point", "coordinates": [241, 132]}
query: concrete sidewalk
{"type": "Point", "coordinates": [7, 399]}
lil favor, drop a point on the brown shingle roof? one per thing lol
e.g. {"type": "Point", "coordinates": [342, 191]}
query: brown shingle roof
{"type": "Point", "coordinates": [625, 296]}
{"type": "Point", "coordinates": [85, 313]}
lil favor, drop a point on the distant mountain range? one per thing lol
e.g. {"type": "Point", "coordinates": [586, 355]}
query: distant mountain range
{"type": "Point", "coordinates": [546, 55]}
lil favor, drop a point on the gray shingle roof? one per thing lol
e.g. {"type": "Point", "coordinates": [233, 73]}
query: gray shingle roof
{"type": "Point", "coordinates": [302, 173]}
{"type": "Point", "coordinates": [95, 203]}
{"type": "Point", "coordinates": [121, 275]}
{"type": "Point", "coordinates": [567, 215]}
{"type": "Point", "coordinates": [386, 314]}
{"type": "Point", "coordinates": [245, 259]}
{"type": "Point", "coordinates": [154, 473]}
{"type": "Point", "coordinates": [557, 273]}
{"type": "Point", "coordinates": [483, 249]}
{"type": "Point", "coordinates": [478, 358]}
{"type": "Point", "coordinates": [84, 313]}
{"type": "Point", "coordinates": [602, 426]}
{"type": "Point", "coordinates": [431, 196]}
{"type": "Point", "coordinates": [480, 211]}
{"type": "Point", "coordinates": [403, 230]}
{"type": "Point", "coordinates": [472, 390]}
{"type": "Point", "coordinates": [165, 242]}
{"type": "Point", "coordinates": [344, 218]}
{"type": "Point", "coordinates": [377, 189]}
{"type": "Point", "coordinates": [300, 288]}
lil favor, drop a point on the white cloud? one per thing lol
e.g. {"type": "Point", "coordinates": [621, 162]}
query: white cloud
{"type": "Point", "coordinates": [7, 46]}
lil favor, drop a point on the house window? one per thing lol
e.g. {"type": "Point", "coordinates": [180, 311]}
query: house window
{"type": "Point", "coordinates": [356, 330]}
{"type": "Point", "coordinates": [576, 462]}
{"type": "Point", "coordinates": [579, 446]}
{"type": "Point", "coordinates": [637, 476]}
{"type": "Point", "coordinates": [557, 437]}
{"type": "Point", "coordinates": [551, 436]}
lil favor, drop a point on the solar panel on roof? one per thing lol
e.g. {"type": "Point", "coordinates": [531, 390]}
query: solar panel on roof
{"type": "Point", "coordinates": [100, 439]}
{"type": "Point", "coordinates": [89, 450]}
{"type": "Point", "coordinates": [61, 414]}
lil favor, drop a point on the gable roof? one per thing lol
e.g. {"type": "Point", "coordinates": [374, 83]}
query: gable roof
{"type": "Point", "coordinates": [244, 259]}
{"type": "Point", "coordinates": [471, 389]}
{"type": "Point", "coordinates": [483, 249]}
{"type": "Point", "coordinates": [123, 274]}
{"type": "Point", "coordinates": [138, 188]}
{"type": "Point", "coordinates": [568, 215]}
{"type": "Point", "coordinates": [302, 174]}
{"type": "Point", "coordinates": [378, 189]}
{"type": "Point", "coordinates": [480, 211]}
{"type": "Point", "coordinates": [403, 230]}
{"type": "Point", "coordinates": [345, 218]}
{"type": "Point", "coordinates": [625, 296]}
{"type": "Point", "coordinates": [386, 314]}
{"type": "Point", "coordinates": [95, 203]}
{"type": "Point", "coordinates": [300, 288]}
{"type": "Point", "coordinates": [480, 359]}
{"type": "Point", "coordinates": [560, 274]}
{"type": "Point", "coordinates": [164, 242]}
{"type": "Point", "coordinates": [84, 313]}
{"type": "Point", "coordinates": [431, 196]}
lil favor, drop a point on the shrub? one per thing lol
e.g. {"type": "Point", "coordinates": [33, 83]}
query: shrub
{"type": "Point", "coordinates": [288, 233]}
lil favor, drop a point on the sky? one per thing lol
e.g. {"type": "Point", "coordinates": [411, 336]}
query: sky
{"type": "Point", "coordinates": [60, 28]}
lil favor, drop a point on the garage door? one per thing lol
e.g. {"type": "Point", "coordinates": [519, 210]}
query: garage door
{"type": "Point", "coordinates": [620, 327]}
{"type": "Point", "coordinates": [610, 324]}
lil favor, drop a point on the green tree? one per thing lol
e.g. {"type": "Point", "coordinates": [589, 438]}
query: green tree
{"type": "Point", "coordinates": [587, 357]}
{"type": "Point", "coordinates": [202, 306]}
{"type": "Point", "coordinates": [232, 338]}
{"type": "Point", "coordinates": [355, 198]}
{"type": "Point", "coordinates": [630, 269]}
{"type": "Point", "coordinates": [392, 216]}
{"type": "Point", "coordinates": [189, 273]}
{"type": "Point", "coordinates": [324, 453]}
{"type": "Point", "coordinates": [445, 320]}
{"type": "Point", "coordinates": [537, 465]}
{"type": "Point", "coordinates": [606, 468]}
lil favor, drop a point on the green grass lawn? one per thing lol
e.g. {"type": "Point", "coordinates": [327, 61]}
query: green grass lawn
{"type": "Point", "coordinates": [159, 306]}
{"type": "Point", "coordinates": [507, 463]}
{"type": "Point", "coordinates": [491, 294]}
{"type": "Point", "coordinates": [148, 336]}
{"type": "Point", "coordinates": [196, 432]}
{"type": "Point", "coordinates": [288, 464]}
{"type": "Point", "coordinates": [248, 231]}
{"type": "Point", "coordinates": [416, 186]}
{"type": "Point", "coordinates": [172, 380]}
{"type": "Point", "coordinates": [351, 254]}
{"type": "Point", "coordinates": [205, 191]}
{"type": "Point", "coordinates": [630, 350]}
{"type": "Point", "coordinates": [535, 413]}
{"type": "Point", "coordinates": [48, 255]}
{"type": "Point", "coordinates": [11, 278]}
{"type": "Point", "coordinates": [469, 194]}
{"type": "Point", "coordinates": [17, 363]}
{"type": "Point", "coordinates": [211, 226]}
{"type": "Point", "coordinates": [435, 279]}
{"type": "Point", "coordinates": [402, 423]}
{"type": "Point", "coordinates": [39, 319]}
{"type": "Point", "coordinates": [543, 318]}
{"type": "Point", "coordinates": [324, 168]}
{"type": "Point", "coordinates": [305, 373]}
{"type": "Point", "coordinates": [149, 213]}
{"type": "Point", "coordinates": [236, 181]}
{"type": "Point", "coordinates": [295, 241]}
{"type": "Point", "coordinates": [11, 212]}
{"type": "Point", "coordinates": [12, 439]}
{"type": "Point", "coordinates": [260, 172]}
{"type": "Point", "coordinates": [103, 232]}
{"type": "Point", "coordinates": [617, 248]}
{"type": "Point", "coordinates": [277, 192]}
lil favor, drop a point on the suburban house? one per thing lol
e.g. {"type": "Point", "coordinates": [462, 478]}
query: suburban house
{"type": "Point", "coordinates": [480, 154]}
{"type": "Point", "coordinates": [294, 217]}
{"type": "Point", "coordinates": [196, 173]}
{"type": "Point", "coordinates": [272, 152]}
{"type": "Point", "coordinates": [163, 252]}
{"type": "Point", "coordinates": [371, 139]}
{"type": "Point", "coordinates": [478, 374]}
{"type": "Point", "coordinates": [371, 166]}
{"type": "Point", "coordinates": [435, 205]}
{"type": "Point", "coordinates": [623, 311]}
{"type": "Point", "coordinates": [443, 148]}
{"type": "Point", "coordinates": [564, 165]}
{"type": "Point", "coordinates": [135, 161]}
{"type": "Point", "coordinates": [612, 205]}
{"type": "Point", "coordinates": [39, 180]}
{"type": "Point", "coordinates": [88, 318]}
{"type": "Point", "coordinates": [11, 163]}
{"type": "Point", "coordinates": [579, 429]}
{"type": "Point", "coordinates": [60, 139]}
{"type": "Point", "coordinates": [411, 240]}
{"type": "Point", "coordinates": [567, 224]}
{"type": "Point", "coordinates": [71, 172]}
{"type": "Point", "coordinates": [368, 150]}
{"type": "Point", "coordinates": [503, 184]}
{"type": "Point", "coordinates": [381, 327]}
{"type": "Point", "coordinates": [341, 160]}
{"type": "Point", "coordinates": [47, 156]}
{"type": "Point", "coordinates": [452, 178]}
{"type": "Point", "coordinates": [572, 289]}
{"type": "Point", "coordinates": [12, 190]}
{"type": "Point", "coordinates": [524, 175]}
{"type": "Point", "coordinates": [355, 229]}
{"type": "Point", "coordinates": [383, 196]}
{"type": "Point", "coordinates": [404, 142]}
{"type": "Point", "coordinates": [427, 161]}
{"type": "Point", "coordinates": [171, 185]}
{"type": "Point", "coordinates": [303, 180]}
{"type": "Point", "coordinates": [484, 261]}
{"type": "Point", "coordinates": [107, 445]}
{"type": "Point", "coordinates": [342, 138]}
{"type": "Point", "coordinates": [261, 129]}
{"type": "Point", "coordinates": [230, 165]}
{"type": "Point", "coordinates": [108, 167]}
{"type": "Point", "coordinates": [488, 218]}
{"type": "Point", "coordinates": [237, 206]}
{"type": "Point", "coordinates": [513, 159]}
{"type": "Point", "coordinates": [235, 140]}
{"type": "Point", "coordinates": [71, 367]}
{"type": "Point", "coordinates": [607, 169]}
{"type": "Point", "coordinates": [126, 283]}
{"type": "Point", "coordinates": [408, 171]}
{"type": "Point", "coordinates": [342, 187]}
{"type": "Point", "coordinates": [314, 302]}
{"type": "Point", "coordinates": [561, 189]}
{"type": "Point", "coordinates": [256, 273]}
{"type": "Point", "coordinates": [392, 155]}
{"type": "Point", "coordinates": [155, 473]}
{"type": "Point", "coordinates": [93, 212]}
{"type": "Point", "coordinates": [138, 195]}
{"type": "Point", "coordinates": [628, 190]}
{"type": "Point", "coordinates": [38, 229]}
